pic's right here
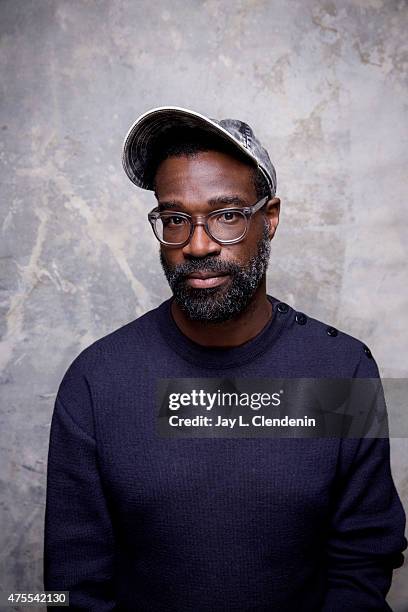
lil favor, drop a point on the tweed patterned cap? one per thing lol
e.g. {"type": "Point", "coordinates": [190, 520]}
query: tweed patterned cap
{"type": "Point", "coordinates": [149, 127]}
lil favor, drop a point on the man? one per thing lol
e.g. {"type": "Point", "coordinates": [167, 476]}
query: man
{"type": "Point", "coordinates": [137, 521]}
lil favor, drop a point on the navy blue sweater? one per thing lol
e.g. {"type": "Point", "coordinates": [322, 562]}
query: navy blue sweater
{"type": "Point", "coordinates": [137, 522]}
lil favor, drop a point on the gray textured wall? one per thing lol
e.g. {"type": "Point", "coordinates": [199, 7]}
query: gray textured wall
{"type": "Point", "coordinates": [324, 85]}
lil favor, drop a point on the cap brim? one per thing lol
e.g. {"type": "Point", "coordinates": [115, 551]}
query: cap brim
{"type": "Point", "coordinates": [152, 125]}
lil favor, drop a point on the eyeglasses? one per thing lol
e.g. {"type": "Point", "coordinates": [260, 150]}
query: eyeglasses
{"type": "Point", "coordinates": [225, 226]}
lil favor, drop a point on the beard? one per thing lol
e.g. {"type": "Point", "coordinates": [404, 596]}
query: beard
{"type": "Point", "coordinates": [218, 304]}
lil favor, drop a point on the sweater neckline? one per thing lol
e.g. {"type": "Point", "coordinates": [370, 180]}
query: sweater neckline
{"type": "Point", "coordinates": [218, 358]}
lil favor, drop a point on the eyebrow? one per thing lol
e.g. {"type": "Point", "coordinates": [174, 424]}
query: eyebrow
{"type": "Point", "coordinates": [228, 200]}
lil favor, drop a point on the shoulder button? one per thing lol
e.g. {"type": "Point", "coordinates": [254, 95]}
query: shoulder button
{"type": "Point", "coordinates": [367, 351]}
{"type": "Point", "coordinates": [301, 318]}
{"type": "Point", "coordinates": [332, 331]}
{"type": "Point", "coordinates": [282, 307]}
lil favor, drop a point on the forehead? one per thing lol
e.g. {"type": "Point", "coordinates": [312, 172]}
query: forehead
{"type": "Point", "coordinates": [205, 175]}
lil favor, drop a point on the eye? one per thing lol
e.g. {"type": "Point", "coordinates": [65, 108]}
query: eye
{"type": "Point", "coordinates": [228, 217]}
{"type": "Point", "coordinates": [172, 220]}
{"type": "Point", "coordinates": [176, 220]}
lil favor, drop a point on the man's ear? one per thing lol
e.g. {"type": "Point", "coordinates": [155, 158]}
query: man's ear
{"type": "Point", "coordinates": [272, 210]}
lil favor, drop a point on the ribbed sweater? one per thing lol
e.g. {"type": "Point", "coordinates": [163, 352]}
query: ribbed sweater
{"type": "Point", "coordinates": [138, 522]}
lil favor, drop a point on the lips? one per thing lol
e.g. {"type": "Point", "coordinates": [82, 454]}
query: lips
{"type": "Point", "coordinates": [202, 280]}
{"type": "Point", "coordinates": [202, 274]}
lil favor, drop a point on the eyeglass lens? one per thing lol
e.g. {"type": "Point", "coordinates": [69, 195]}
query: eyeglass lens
{"type": "Point", "coordinates": [174, 229]}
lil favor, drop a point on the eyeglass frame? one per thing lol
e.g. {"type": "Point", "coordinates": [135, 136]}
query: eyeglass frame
{"type": "Point", "coordinates": [248, 211]}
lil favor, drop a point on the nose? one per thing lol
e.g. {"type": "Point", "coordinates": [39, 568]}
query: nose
{"type": "Point", "coordinates": [201, 244]}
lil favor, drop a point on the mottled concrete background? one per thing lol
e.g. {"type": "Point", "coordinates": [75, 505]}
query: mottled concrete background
{"type": "Point", "coordinates": [324, 85]}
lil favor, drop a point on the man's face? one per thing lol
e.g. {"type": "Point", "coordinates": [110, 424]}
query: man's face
{"type": "Point", "coordinates": [198, 185]}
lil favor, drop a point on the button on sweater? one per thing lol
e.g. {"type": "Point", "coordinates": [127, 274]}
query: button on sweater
{"type": "Point", "coordinates": [138, 522]}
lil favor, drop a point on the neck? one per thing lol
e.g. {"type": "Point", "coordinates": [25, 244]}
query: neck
{"type": "Point", "coordinates": [233, 332]}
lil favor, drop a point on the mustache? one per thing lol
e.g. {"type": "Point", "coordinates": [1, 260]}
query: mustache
{"type": "Point", "coordinates": [205, 264]}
